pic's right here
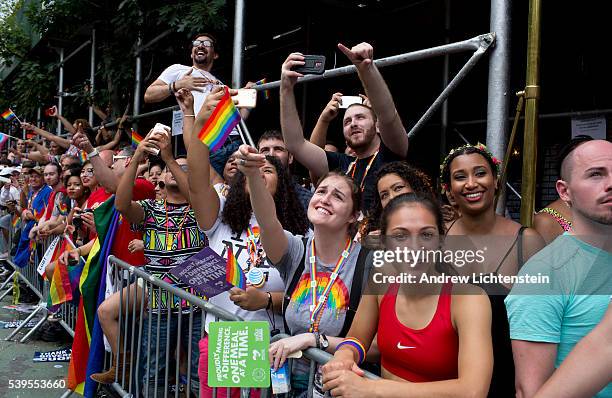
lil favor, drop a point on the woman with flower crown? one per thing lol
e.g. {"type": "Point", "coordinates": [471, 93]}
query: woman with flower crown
{"type": "Point", "coordinates": [469, 177]}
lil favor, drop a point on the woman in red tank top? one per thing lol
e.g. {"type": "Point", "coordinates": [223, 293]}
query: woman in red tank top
{"type": "Point", "coordinates": [432, 340]}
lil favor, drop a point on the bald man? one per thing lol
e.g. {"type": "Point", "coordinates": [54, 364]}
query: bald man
{"type": "Point", "coordinates": [548, 319]}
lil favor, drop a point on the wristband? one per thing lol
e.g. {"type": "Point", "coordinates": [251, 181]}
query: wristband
{"type": "Point", "coordinates": [188, 115]}
{"type": "Point", "coordinates": [93, 153]}
{"type": "Point", "coordinates": [356, 344]}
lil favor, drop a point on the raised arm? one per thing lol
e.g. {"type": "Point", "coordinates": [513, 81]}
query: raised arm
{"type": "Point", "coordinates": [202, 194]}
{"type": "Point", "coordinates": [252, 164]}
{"type": "Point", "coordinates": [392, 131]}
{"type": "Point", "coordinates": [104, 175]}
{"type": "Point", "coordinates": [308, 154]}
{"type": "Point", "coordinates": [319, 133]}
{"type": "Point", "coordinates": [131, 210]}
{"type": "Point", "coordinates": [67, 125]}
{"type": "Point", "coordinates": [63, 142]}
{"type": "Point", "coordinates": [179, 174]}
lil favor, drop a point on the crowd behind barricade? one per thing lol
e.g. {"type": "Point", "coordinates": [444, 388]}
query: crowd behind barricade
{"type": "Point", "coordinates": [308, 250]}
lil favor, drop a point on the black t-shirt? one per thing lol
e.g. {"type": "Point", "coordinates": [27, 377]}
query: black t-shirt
{"type": "Point", "coordinates": [342, 162]}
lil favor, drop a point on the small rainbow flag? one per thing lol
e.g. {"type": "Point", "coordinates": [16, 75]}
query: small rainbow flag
{"type": "Point", "coordinates": [220, 124]}
{"type": "Point", "coordinates": [16, 221]}
{"type": "Point", "coordinates": [3, 139]}
{"type": "Point", "coordinates": [83, 156]}
{"type": "Point", "coordinates": [9, 115]}
{"type": "Point", "coordinates": [234, 274]}
{"type": "Point", "coordinates": [136, 138]}
{"type": "Point", "coordinates": [266, 92]}
{"type": "Point", "coordinates": [60, 290]}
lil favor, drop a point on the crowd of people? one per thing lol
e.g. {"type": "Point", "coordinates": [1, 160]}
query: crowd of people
{"type": "Point", "coordinates": [307, 249]}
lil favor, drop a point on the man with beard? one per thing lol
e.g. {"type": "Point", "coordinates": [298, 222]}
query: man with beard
{"type": "Point", "coordinates": [52, 176]}
{"type": "Point", "coordinates": [547, 320]}
{"type": "Point", "coordinates": [372, 150]}
{"type": "Point", "coordinates": [196, 78]}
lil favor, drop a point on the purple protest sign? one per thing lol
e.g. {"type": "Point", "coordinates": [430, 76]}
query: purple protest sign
{"type": "Point", "coordinates": [204, 272]}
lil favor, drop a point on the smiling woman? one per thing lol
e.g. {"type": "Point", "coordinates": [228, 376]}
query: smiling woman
{"type": "Point", "coordinates": [469, 177]}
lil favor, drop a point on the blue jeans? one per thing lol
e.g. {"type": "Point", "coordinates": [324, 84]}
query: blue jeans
{"type": "Point", "coordinates": [168, 335]}
{"type": "Point", "coordinates": [219, 158]}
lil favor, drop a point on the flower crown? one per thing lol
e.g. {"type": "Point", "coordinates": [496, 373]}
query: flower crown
{"type": "Point", "coordinates": [481, 148]}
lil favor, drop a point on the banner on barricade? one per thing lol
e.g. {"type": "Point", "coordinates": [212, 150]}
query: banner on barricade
{"type": "Point", "coordinates": [238, 354]}
{"type": "Point", "coordinates": [204, 272]}
{"type": "Point", "coordinates": [16, 324]}
{"type": "Point", "coordinates": [48, 257]}
{"type": "Point", "coordinates": [62, 355]}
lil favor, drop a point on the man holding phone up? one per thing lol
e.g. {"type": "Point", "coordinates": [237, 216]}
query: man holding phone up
{"type": "Point", "coordinates": [373, 148]}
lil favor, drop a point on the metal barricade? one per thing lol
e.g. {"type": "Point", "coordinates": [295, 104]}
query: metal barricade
{"type": "Point", "coordinates": [30, 276]}
{"type": "Point", "coordinates": [317, 357]}
{"type": "Point", "coordinates": [162, 333]}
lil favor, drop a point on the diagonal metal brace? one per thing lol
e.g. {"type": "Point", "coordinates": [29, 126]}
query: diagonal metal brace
{"type": "Point", "coordinates": [485, 42]}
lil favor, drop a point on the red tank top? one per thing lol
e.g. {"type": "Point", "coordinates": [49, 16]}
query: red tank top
{"type": "Point", "coordinates": [423, 355]}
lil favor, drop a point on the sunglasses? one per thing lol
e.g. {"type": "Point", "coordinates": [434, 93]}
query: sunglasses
{"type": "Point", "coordinates": [205, 43]}
{"type": "Point", "coordinates": [119, 157]}
{"type": "Point", "coordinates": [160, 184]}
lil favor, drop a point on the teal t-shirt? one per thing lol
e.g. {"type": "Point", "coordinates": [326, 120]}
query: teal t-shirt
{"type": "Point", "coordinates": [567, 308]}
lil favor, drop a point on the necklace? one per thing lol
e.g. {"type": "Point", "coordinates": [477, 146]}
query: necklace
{"type": "Point", "coordinates": [353, 167]}
{"type": "Point", "coordinates": [318, 303]}
{"type": "Point", "coordinates": [169, 239]}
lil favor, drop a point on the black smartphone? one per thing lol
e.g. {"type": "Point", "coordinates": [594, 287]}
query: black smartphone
{"type": "Point", "coordinates": [313, 65]}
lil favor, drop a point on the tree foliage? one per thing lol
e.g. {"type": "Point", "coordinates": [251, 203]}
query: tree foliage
{"type": "Point", "coordinates": [118, 24]}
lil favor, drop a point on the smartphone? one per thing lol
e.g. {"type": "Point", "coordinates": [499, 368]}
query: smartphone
{"type": "Point", "coordinates": [247, 98]}
{"type": "Point", "coordinates": [348, 100]}
{"type": "Point", "coordinates": [313, 65]}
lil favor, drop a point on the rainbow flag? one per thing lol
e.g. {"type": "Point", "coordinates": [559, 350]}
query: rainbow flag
{"type": "Point", "coordinates": [266, 92]}
{"type": "Point", "coordinates": [16, 221]}
{"type": "Point", "coordinates": [83, 157]}
{"type": "Point", "coordinates": [234, 273]}
{"type": "Point", "coordinates": [9, 115]}
{"type": "Point", "coordinates": [219, 125]}
{"type": "Point", "coordinates": [136, 138]}
{"type": "Point", "coordinates": [60, 290]}
{"type": "Point", "coordinates": [3, 139]}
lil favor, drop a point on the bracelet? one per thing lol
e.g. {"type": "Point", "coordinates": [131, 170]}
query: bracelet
{"type": "Point", "coordinates": [356, 344]}
{"type": "Point", "coordinates": [93, 153]}
{"type": "Point", "coordinates": [188, 115]}
{"type": "Point", "coordinates": [270, 305]}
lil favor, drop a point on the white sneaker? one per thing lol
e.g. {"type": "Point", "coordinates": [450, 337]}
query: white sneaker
{"type": "Point", "coordinates": [4, 256]}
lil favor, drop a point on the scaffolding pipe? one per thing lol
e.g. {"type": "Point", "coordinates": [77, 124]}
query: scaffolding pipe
{"type": "Point", "coordinates": [75, 52]}
{"type": "Point", "coordinates": [472, 44]}
{"type": "Point", "coordinates": [238, 44]}
{"type": "Point", "coordinates": [445, 77]}
{"type": "Point", "coordinates": [138, 77]}
{"type": "Point", "coordinates": [498, 100]}
{"type": "Point", "coordinates": [544, 116]}
{"type": "Point", "coordinates": [486, 43]}
{"type": "Point", "coordinates": [92, 74]}
{"type": "Point", "coordinates": [60, 89]}
{"type": "Point", "coordinates": [532, 94]}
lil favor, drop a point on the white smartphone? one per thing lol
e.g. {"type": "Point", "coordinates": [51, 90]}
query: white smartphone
{"type": "Point", "coordinates": [159, 129]}
{"type": "Point", "coordinates": [348, 100]}
{"type": "Point", "coordinates": [247, 98]}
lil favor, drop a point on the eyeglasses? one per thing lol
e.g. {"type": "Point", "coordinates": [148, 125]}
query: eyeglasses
{"type": "Point", "coordinates": [205, 43]}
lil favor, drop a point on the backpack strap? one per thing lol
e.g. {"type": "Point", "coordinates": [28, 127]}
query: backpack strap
{"type": "Point", "coordinates": [519, 248]}
{"type": "Point", "coordinates": [356, 291]}
{"type": "Point", "coordinates": [295, 279]}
